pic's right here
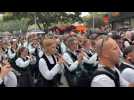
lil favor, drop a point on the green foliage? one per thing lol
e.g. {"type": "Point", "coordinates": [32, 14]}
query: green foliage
{"type": "Point", "coordinates": [14, 25]}
{"type": "Point", "coordinates": [98, 20]}
{"type": "Point", "coordinates": [44, 19]}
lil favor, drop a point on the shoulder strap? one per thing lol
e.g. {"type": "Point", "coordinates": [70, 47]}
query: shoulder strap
{"type": "Point", "coordinates": [99, 72]}
{"type": "Point", "coordinates": [124, 66]}
{"type": "Point", "coordinates": [48, 63]}
{"type": "Point", "coordinates": [72, 55]}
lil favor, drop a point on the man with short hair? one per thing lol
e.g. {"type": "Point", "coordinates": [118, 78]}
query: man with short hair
{"type": "Point", "coordinates": [107, 75]}
{"type": "Point", "coordinates": [127, 67]}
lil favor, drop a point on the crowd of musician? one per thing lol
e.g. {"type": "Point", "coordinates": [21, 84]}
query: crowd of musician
{"type": "Point", "coordinates": [83, 59]}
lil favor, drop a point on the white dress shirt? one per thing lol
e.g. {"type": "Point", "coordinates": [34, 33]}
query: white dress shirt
{"type": "Point", "coordinates": [91, 60]}
{"type": "Point", "coordinates": [74, 65]}
{"type": "Point", "coordinates": [126, 44]}
{"type": "Point", "coordinates": [68, 59]}
{"type": "Point", "coordinates": [10, 80]}
{"type": "Point", "coordinates": [105, 81]}
{"type": "Point", "coordinates": [21, 63]}
{"type": "Point", "coordinates": [25, 44]}
{"type": "Point", "coordinates": [11, 54]}
{"type": "Point", "coordinates": [128, 73]}
{"type": "Point", "coordinates": [63, 47]}
{"type": "Point", "coordinates": [40, 52]}
{"type": "Point", "coordinates": [31, 48]}
{"type": "Point", "coordinates": [45, 72]}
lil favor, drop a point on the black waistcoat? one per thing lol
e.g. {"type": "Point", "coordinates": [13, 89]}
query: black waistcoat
{"type": "Point", "coordinates": [23, 70]}
{"type": "Point", "coordinates": [73, 76]}
{"type": "Point", "coordinates": [42, 82]}
{"type": "Point", "coordinates": [110, 73]}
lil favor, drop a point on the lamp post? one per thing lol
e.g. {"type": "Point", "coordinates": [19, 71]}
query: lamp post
{"type": "Point", "coordinates": [93, 22]}
{"type": "Point", "coordinates": [35, 20]}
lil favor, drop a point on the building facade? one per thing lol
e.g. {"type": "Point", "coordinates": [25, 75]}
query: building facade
{"type": "Point", "coordinates": [122, 20]}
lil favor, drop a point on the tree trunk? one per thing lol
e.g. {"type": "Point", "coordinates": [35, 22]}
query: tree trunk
{"type": "Point", "coordinates": [45, 26]}
{"type": "Point", "coordinates": [39, 26]}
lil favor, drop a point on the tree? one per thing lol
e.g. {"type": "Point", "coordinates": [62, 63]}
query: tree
{"type": "Point", "coordinates": [98, 19]}
{"type": "Point", "coordinates": [44, 19]}
{"type": "Point", "coordinates": [14, 25]}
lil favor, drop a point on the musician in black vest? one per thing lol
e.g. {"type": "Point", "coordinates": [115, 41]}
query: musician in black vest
{"type": "Point", "coordinates": [92, 55]}
{"type": "Point", "coordinates": [88, 48]}
{"type": "Point", "coordinates": [75, 71]}
{"type": "Point", "coordinates": [5, 48]}
{"type": "Point", "coordinates": [127, 67]}
{"type": "Point", "coordinates": [107, 75]}
{"type": "Point", "coordinates": [12, 52]}
{"type": "Point", "coordinates": [49, 65]}
{"type": "Point", "coordinates": [12, 49]}
{"type": "Point", "coordinates": [23, 63]}
{"type": "Point", "coordinates": [36, 50]}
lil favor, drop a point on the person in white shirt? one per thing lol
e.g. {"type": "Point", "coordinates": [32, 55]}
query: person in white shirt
{"type": "Point", "coordinates": [89, 49]}
{"type": "Point", "coordinates": [49, 65]}
{"type": "Point", "coordinates": [5, 47]}
{"type": "Point", "coordinates": [22, 42]}
{"type": "Point", "coordinates": [24, 66]}
{"type": "Point", "coordinates": [109, 55]}
{"type": "Point", "coordinates": [7, 77]}
{"type": "Point", "coordinates": [12, 52]}
{"type": "Point", "coordinates": [127, 67]}
{"type": "Point", "coordinates": [70, 57]}
{"type": "Point", "coordinates": [34, 47]}
{"type": "Point", "coordinates": [74, 61]}
{"type": "Point", "coordinates": [13, 49]}
{"type": "Point", "coordinates": [63, 47]}
{"type": "Point", "coordinates": [36, 50]}
{"type": "Point", "coordinates": [128, 37]}
{"type": "Point", "coordinates": [32, 43]}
